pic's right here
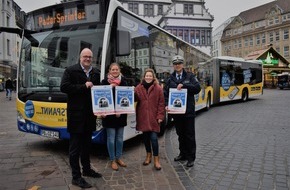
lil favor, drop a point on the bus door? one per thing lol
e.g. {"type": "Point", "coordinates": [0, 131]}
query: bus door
{"type": "Point", "coordinates": [216, 80]}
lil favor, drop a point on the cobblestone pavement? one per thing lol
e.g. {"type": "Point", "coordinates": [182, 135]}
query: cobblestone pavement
{"type": "Point", "coordinates": [239, 146]}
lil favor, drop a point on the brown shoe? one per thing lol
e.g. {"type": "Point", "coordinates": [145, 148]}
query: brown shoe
{"type": "Point", "coordinates": [157, 165]}
{"type": "Point", "coordinates": [114, 166]}
{"type": "Point", "coordinates": [121, 163]}
{"type": "Point", "coordinates": [148, 159]}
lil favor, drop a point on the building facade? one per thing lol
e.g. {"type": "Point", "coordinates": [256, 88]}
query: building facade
{"type": "Point", "coordinates": [261, 33]}
{"type": "Point", "coordinates": [186, 19]}
{"type": "Point", "coordinates": [216, 38]}
{"type": "Point", "coordinates": [9, 43]}
{"type": "Point", "coordinates": [259, 28]}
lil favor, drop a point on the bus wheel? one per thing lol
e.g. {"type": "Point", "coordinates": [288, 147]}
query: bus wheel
{"type": "Point", "coordinates": [208, 102]}
{"type": "Point", "coordinates": [245, 95]}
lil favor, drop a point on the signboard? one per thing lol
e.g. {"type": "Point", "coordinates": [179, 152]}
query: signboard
{"type": "Point", "coordinates": [270, 60]}
{"type": "Point", "coordinates": [124, 99]}
{"type": "Point", "coordinates": [60, 15]}
{"type": "Point", "coordinates": [102, 100]}
{"type": "Point", "coordinates": [177, 101]}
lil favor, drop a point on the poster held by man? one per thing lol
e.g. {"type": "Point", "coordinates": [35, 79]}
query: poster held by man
{"type": "Point", "coordinates": [102, 100]}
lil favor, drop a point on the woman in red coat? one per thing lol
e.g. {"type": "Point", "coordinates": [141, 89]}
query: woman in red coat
{"type": "Point", "coordinates": [149, 114]}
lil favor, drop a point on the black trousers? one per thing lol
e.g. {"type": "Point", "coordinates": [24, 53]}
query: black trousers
{"type": "Point", "coordinates": [185, 129]}
{"type": "Point", "coordinates": [79, 150]}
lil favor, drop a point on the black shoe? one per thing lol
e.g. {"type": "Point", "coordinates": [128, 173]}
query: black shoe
{"type": "Point", "coordinates": [189, 163]}
{"type": "Point", "coordinates": [81, 182]}
{"type": "Point", "coordinates": [92, 173]}
{"type": "Point", "coordinates": [179, 158]}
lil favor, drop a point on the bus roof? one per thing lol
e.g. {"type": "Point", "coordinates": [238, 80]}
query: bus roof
{"type": "Point", "coordinates": [230, 58]}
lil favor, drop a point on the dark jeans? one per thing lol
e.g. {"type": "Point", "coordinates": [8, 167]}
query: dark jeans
{"type": "Point", "coordinates": [185, 129]}
{"type": "Point", "coordinates": [151, 139]}
{"type": "Point", "coordinates": [79, 149]}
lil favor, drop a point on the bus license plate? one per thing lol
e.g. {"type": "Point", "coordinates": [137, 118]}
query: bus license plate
{"type": "Point", "coordinates": [51, 134]}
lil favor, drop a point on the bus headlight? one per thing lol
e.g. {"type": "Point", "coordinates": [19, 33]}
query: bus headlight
{"type": "Point", "coordinates": [20, 118]}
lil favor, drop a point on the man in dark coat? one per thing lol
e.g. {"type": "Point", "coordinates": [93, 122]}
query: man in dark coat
{"type": "Point", "coordinates": [76, 82]}
{"type": "Point", "coordinates": [184, 123]}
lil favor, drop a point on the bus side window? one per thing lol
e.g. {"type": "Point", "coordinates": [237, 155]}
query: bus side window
{"type": "Point", "coordinates": [239, 78]}
{"type": "Point", "coordinates": [253, 78]}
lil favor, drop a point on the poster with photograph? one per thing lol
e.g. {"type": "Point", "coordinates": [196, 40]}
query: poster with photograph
{"type": "Point", "coordinates": [124, 99]}
{"type": "Point", "coordinates": [177, 101]}
{"type": "Point", "coordinates": [102, 100]}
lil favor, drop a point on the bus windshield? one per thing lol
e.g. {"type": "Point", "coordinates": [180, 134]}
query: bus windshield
{"type": "Point", "coordinates": [45, 56]}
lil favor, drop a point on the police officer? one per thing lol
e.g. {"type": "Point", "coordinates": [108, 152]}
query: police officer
{"type": "Point", "coordinates": [184, 123]}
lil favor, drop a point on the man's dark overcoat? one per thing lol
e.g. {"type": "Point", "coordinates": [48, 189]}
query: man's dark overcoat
{"type": "Point", "coordinates": [80, 116]}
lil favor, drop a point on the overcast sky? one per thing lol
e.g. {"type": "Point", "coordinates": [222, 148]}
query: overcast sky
{"type": "Point", "coordinates": [220, 9]}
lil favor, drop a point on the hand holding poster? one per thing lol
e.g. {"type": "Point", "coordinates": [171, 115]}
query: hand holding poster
{"type": "Point", "coordinates": [102, 100]}
{"type": "Point", "coordinates": [177, 101]}
{"type": "Point", "coordinates": [124, 99]}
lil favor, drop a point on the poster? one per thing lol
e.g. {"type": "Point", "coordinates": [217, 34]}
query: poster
{"type": "Point", "coordinates": [102, 100]}
{"type": "Point", "coordinates": [124, 99]}
{"type": "Point", "coordinates": [177, 101]}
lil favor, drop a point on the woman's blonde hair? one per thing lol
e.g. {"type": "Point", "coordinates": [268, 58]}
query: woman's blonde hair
{"type": "Point", "coordinates": [114, 64]}
{"type": "Point", "coordinates": [153, 73]}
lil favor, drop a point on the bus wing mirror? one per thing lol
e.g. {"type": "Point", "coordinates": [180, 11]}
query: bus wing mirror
{"type": "Point", "coordinates": [123, 43]}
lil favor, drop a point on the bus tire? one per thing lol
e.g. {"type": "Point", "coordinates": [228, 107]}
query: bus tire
{"type": "Point", "coordinates": [245, 95]}
{"type": "Point", "coordinates": [208, 102]}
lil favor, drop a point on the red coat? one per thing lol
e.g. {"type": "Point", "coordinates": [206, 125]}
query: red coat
{"type": "Point", "coordinates": [150, 107]}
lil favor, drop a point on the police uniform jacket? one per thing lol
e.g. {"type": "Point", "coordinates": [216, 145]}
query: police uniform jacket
{"type": "Point", "coordinates": [190, 83]}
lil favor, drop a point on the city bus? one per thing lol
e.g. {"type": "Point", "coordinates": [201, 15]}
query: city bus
{"type": "Point", "coordinates": [52, 40]}
{"type": "Point", "coordinates": [227, 78]}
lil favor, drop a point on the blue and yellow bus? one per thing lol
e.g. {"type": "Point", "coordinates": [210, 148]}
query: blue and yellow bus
{"type": "Point", "coordinates": [227, 78]}
{"type": "Point", "coordinates": [52, 39]}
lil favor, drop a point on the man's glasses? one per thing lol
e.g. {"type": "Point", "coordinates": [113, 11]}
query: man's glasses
{"type": "Point", "coordinates": [87, 57]}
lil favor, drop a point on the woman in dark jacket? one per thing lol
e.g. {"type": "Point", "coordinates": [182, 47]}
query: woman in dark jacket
{"type": "Point", "coordinates": [149, 114]}
{"type": "Point", "coordinates": [115, 124]}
